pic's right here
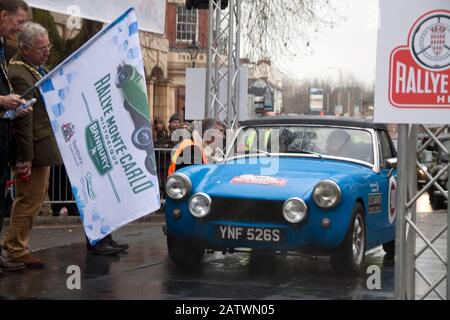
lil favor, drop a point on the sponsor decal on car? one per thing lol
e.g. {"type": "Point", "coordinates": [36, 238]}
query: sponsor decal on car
{"type": "Point", "coordinates": [262, 180]}
{"type": "Point", "coordinates": [375, 202]}
{"type": "Point", "coordinates": [374, 187]}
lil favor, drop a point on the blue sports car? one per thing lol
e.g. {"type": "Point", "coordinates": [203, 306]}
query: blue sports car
{"type": "Point", "coordinates": [317, 185]}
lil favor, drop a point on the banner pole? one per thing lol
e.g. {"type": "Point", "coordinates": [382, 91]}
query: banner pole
{"type": "Point", "coordinates": [30, 90]}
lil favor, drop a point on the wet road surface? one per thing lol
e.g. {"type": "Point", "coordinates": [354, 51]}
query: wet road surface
{"type": "Point", "coordinates": [146, 272]}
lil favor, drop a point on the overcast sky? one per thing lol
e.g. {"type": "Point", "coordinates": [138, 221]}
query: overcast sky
{"type": "Point", "coordinates": [348, 48]}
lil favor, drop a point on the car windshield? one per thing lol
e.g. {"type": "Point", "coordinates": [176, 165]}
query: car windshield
{"type": "Point", "coordinates": [321, 141]}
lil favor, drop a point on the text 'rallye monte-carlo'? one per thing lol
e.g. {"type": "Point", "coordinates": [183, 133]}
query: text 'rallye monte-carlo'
{"type": "Point", "coordinates": [317, 185]}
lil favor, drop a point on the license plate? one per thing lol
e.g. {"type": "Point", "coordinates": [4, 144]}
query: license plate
{"type": "Point", "coordinates": [249, 233]}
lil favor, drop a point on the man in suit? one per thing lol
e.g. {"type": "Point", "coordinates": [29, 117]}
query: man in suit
{"type": "Point", "coordinates": [33, 147]}
{"type": "Point", "coordinates": [13, 13]}
{"type": "Point", "coordinates": [34, 150]}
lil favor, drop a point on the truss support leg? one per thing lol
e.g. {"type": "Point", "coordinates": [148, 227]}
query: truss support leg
{"type": "Point", "coordinates": [405, 242]}
{"type": "Point", "coordinates": [448, 233]}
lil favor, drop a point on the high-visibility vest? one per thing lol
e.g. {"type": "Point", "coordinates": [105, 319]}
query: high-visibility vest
{"type": "Point", "coordinates": [251, 139]}
{"type": "Point", "coordinates": [183, 145]}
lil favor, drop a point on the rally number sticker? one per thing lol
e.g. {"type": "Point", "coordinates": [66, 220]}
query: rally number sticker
{"type": "Point", "coordinates": [375, 202]}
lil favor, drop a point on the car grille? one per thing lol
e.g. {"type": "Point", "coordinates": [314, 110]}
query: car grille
{"type": "Point", "coordinates": [251, 210]}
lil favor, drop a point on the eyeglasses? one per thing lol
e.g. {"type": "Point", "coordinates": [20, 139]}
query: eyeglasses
{"type": "Point", "coordinates": [49, 47]}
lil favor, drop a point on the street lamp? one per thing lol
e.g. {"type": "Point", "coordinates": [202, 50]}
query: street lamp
{"type": "Point", "coordinates": [193, 49]}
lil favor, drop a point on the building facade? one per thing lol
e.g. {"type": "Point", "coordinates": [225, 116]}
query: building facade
{"type": "Point", "coordinates": [187, 36]}
{"type": "Point", "coordinates": [167, 56]}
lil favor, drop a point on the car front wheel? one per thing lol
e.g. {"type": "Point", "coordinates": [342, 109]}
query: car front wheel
{"type": "Point", "coordinates": [389, 248]}
{"type": "Point", "coordinates": [186, 254]}
{"type": "Point", "coordinates": [348, 259]}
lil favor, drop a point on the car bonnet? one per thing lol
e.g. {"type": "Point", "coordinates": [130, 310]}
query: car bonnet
{"type": "Point", "coordinates": [274, 178]}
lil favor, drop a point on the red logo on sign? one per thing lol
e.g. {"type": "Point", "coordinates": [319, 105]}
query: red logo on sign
{"type": "Point", "coordinates": [420, 71]}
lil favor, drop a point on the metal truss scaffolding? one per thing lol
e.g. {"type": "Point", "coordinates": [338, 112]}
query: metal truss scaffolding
{"type": "Point", "coordinates": [412, 279]}
{"type": "Point", "coordinates": [222, 87]}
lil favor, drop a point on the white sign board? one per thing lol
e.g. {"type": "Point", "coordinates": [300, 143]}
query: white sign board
{"type": "Point", "coordinates": [339, 109]}
{"type": "Point", "coordinates": [151, 13]}
{"type": "Point", "coordinates": [98, 107]}
{"type": "Point", "coordinates": [413, 62]}
{"type": "Point", "coordinates": [195, 94]}
{"type": "Point", "coordinates": [315, 99]}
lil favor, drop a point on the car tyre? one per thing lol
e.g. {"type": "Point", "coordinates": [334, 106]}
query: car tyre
{"type": "Point", "coordinates": [142, 138]}
{"type": "Point", "coordinates": [348, 259]}
{"type": "Point", "coordinates": [389, 248]}
{"type": "Point", "coordinates": [186, 254]}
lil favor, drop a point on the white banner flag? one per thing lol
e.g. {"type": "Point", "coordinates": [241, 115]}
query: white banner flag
{"type": "Point", "coordinates": [98, 107]}
{"type": "Point", "coordinates": [151, 13]}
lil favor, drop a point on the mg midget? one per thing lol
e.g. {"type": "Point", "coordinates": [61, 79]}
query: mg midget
{"type": "Point", "coordinates": [316, 185]}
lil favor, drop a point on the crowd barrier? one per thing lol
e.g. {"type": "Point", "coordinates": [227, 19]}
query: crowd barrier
{"type": "Point", "coordinates": [60, 195]}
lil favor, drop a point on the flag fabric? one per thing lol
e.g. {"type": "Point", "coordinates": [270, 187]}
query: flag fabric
{"type": "Point", "coordinates": [97, 104]}
{"type": "Point", "coordinates": [151, 13]}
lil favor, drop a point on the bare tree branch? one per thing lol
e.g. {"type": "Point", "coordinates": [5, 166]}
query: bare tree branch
{"type": "Point", "coordinates": [283, 28]}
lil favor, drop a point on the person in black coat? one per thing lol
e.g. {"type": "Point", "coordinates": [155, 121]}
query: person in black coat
{"type": "Point", "coordinates": [13, 13]}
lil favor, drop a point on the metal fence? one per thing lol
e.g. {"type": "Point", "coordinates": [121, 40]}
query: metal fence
{"type": "Point", "coordinates": [60, 191]}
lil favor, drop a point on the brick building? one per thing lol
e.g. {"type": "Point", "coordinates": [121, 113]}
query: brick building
{"type": "Point", "coordinates": [187, 34]}
{"type": "Point", "coordinates": [167, 56]}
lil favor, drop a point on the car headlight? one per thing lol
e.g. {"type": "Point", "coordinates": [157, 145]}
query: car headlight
{"type": "Point", "coordinates": [422, 170]}
{"type": "Point", "coordinates": [200, 205]}
{"type": "Point", "coordinates": [178, 186]}
{"type": "Point", "coordinates": [294, 210]}
{"type": "Point", "coordinates": [327, 194]}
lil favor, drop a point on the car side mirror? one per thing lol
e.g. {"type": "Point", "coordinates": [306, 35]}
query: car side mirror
{"type": "Point", "coordinates": [390, 163]}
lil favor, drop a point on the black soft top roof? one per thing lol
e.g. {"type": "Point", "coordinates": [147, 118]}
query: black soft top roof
{"type": "Point", "coordinates": [319, 120]}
